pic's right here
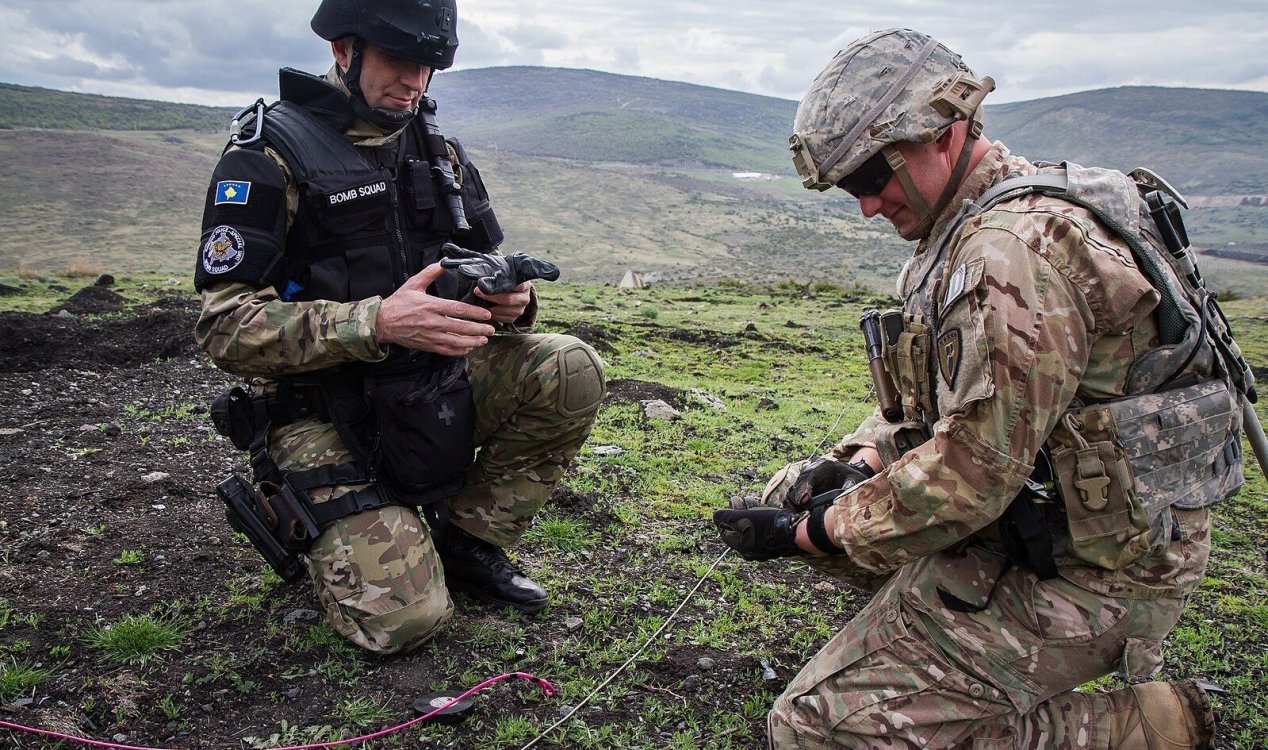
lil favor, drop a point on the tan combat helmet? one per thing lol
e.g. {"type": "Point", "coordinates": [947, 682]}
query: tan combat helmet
{"type": "Point", "coordinates": [889, 87]}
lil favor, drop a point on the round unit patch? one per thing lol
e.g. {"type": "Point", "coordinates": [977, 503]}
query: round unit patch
{"type": "Point", "coordinates": [223, 250]}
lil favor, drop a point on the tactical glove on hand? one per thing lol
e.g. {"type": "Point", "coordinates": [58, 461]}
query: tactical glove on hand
{"type": "Point", "coordinates": [825, 475]}
{"type": "Point", "coordinates": [496, 274]}
{"type": "Point", "coordinates": [759, 533]}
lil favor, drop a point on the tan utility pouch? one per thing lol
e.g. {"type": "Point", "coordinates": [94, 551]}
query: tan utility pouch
{"type": "Point", "coordinates": [1108, 524]}
{"type": "Point", "coordinates": [908, 360]}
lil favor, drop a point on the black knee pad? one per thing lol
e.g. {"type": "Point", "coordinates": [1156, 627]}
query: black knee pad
{"type": "Point", "coordinates": [581, 380]}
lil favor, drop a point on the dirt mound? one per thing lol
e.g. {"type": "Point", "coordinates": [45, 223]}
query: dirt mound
{"type": "Point", "coordinates": [596, 336]}
{"type": "Point", "coordinates": [92, 300]}
{"type": "Point", "coordinates": [30, 342]}
{"type": "Point", "coordinates": [641, 390]}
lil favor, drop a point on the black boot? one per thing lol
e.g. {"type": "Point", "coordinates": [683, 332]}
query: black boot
{"type": "Point", "coordinates": [482, 570]}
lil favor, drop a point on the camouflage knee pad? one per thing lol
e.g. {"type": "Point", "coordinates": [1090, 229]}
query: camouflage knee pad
{"type": "Point", "coordinates": [581, 379]}
{"type": "Point", "coordinates": [379, 579]}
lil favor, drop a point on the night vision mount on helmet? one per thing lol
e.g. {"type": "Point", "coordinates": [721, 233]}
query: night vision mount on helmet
{"type": "Point", "coordinates": [893, 86]}
{"type": "Point", "coordinates": [421, 31]}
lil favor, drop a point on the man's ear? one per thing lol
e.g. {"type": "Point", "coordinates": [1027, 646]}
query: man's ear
{"type": "Point", "coordinates": [947, 138]}
{"type": "Point", "coordinates": [342, 50]}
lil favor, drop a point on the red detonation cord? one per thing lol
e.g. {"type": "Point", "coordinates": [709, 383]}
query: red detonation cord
{"type": "Point", "coordinates": [547, 689]}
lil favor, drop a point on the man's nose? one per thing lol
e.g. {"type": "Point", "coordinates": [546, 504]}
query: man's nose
{"type": "Point", "coordinates": [870, 205]}
{"type": "Point", "coordinates": [415, 76]}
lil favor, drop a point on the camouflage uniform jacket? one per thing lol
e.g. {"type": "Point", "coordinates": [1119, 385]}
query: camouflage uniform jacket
{"type": "Point", "coordinates": [1038, 306]}
{"type": "Point", "coordinates": [255, 334]}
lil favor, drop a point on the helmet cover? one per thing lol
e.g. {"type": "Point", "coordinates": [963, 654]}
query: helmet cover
{"type": "Point", "coordinates": [888, 87]}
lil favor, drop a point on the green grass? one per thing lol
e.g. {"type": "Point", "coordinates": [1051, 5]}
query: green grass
{"type": "Point", "coordinates": [136, 639]}
{"type": "Point", "coordinates": [18, 679]}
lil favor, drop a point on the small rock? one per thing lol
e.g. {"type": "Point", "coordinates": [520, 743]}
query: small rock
{"type": "Point", "coordinates": [692, 682]}
{"type": "Point", "coordinates": [26, 391]}
{"type": "Point", "coordinates": [64, 313]}
{"type": "Point", "coordinates": [22, 702]}
{"type": "Point", "coordinates": [767, 405]}
{"type": "Point", "coordinates": [207, 708]}
{"type": "Point", "coordinates": [114, 430]}
{"type": "Point", "coordinates": [707, 399]}
{"type": "Point", "coordinates": [825, 586]}
{"type": "Point", "coordinates": [88, 428]}
{"type": "Point", "coordinates": [768, 674]}
{"type": "Point", "coordinates": [104, 279]}
{"type": "Point", "coordinates": [607, 450]}
{"type": "Point", "coordinates": [705, 663]}
{"type": "Point", "coordinates": [159, 506]}
{"type": "Point", "coordinates": [9, 431]}
{"type": "Point", "coordinates": [301, 615]}
{"type": "Point", "coordinates": [292, 694]}
{"type": "Point", "coordinates": [155, 476]}
{"type": "Point", "coordinates": [750, 326]}
{"type": "Point", "coordinates": [657, 409]}
{"type": "Point", "coordinates": [565, 710]}
{"type": "Point", "coordinates": [572, 623]}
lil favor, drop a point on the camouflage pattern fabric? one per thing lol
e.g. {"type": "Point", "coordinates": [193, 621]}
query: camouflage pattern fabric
{"type": "Point", "coordinates": [377, 573]}
{"type": "Point", "coordinates": [907, 672]}
{"type": "Point", "coordinates": [1028, 308]}
{"type": "Point", "coordinates": [858, 77]}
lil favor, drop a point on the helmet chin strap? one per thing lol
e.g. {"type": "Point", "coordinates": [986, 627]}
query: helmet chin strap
{"type": "Point", "coordinates": [928, 216]}
{"type": "Point", "coordinates": [390, 120]}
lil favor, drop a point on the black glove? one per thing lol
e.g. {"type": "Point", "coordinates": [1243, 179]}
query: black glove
{"type": "Point", "coordinates": [759, 533]}
{"type": "Point", "coordinates": [825, 475]}
{"type": "Point", "coordinates": [496, 274]}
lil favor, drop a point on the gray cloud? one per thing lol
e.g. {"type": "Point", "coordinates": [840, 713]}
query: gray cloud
{"type": "Point", "coordinates": [222, 52]}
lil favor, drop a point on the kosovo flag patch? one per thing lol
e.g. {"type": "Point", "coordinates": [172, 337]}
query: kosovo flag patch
{"type": "Point", "coordinates": [233, 192]}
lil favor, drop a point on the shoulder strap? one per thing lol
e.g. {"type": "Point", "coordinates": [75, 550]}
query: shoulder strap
{"type": "Point", "coordinates": [310, 146]}
{"type": "Point", "coordinates": [1175, 312]}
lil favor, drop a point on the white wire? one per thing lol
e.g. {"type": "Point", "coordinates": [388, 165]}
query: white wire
{"type": "Point", "coordinates": [630, 660]}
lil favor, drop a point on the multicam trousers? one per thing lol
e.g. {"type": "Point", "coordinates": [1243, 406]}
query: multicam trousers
{"type": "Point", "coordinates": [908, 672]}
{"type": "Point", "coordinates": [377, 573]}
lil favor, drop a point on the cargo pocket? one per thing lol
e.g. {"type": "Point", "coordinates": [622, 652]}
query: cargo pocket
{"type": "Point", "coordinates": [1142, 658]}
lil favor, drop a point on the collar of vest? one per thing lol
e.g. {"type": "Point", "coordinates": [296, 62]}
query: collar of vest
{"type": "Point", "coordinates": [318, 96]}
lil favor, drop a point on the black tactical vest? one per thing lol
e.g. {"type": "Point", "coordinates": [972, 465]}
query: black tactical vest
{"type": "Point", "coordinates": [368, 217]}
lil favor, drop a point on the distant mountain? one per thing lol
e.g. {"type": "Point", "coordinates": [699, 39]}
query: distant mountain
{"type": "Point", "coordinates": [594, 116]}
{"type": "Point", "coordinates": [1205, 141]}
{"type": "Point", "coordinates": [604, 172]}
{"type": "Point", "coordinates": [30, 107]}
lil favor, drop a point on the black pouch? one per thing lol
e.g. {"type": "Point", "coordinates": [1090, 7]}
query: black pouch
{"type": "Point", "coordinates": [235, 416]}
{"type": "Point", "coordinates": [426, 428]}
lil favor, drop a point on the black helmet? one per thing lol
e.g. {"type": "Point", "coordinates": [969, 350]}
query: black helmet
{"type": "Point", "coordinates": [421, 31]}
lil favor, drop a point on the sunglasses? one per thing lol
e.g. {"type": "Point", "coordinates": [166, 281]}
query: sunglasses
{"type": "Point", "coordinates": [870, 178]}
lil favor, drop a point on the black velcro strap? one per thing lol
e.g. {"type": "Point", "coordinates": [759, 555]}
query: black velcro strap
{"type": "Point", "coordinates": [292, 402]}
{"type": "Point", "coordinates": [328, 475]}
{"type": "Point", "coordinates": [817, 530]}
{"type": "Point", "coordinates": [349, 504]}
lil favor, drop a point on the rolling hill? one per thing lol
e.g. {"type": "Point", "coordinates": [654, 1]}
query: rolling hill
{"type": "Point", "coordinates": [604, 172]}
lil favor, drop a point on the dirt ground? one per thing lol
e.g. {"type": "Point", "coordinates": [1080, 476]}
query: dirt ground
{"type": "Point", "coordinates": [105, 446]}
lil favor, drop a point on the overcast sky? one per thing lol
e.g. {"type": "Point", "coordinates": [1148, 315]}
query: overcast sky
{"type": "Point", "coordinates": [227, 53]}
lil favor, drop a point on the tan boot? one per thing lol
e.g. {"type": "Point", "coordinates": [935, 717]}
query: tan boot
{"type": "Point", "coordinates": [1161, 716]}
